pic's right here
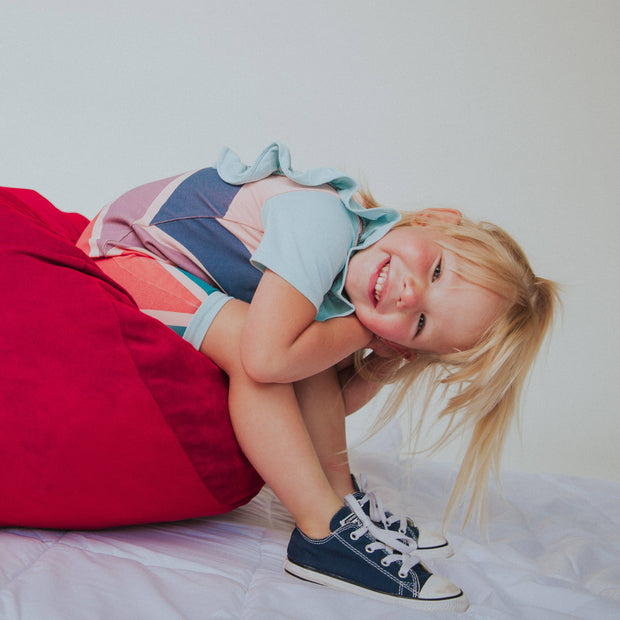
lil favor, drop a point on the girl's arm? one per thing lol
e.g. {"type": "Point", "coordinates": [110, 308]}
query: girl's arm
{"type": "Point", "coordinates": [281, 341]}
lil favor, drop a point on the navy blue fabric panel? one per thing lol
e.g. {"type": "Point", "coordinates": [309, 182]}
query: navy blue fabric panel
{"type": "Point", "coordinates": [223, 256]}
{"type": "Point", "coordinates": [189, 216]}
{"type": "Point", "coordinates": [201, 194]}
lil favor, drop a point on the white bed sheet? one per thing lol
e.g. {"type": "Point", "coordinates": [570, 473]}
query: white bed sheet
{"type": "Point", "coordinates": [553, 552]}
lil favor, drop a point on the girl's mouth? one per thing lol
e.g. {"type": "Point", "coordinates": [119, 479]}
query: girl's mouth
{"type": "Point", "coordinates": [380, 282]}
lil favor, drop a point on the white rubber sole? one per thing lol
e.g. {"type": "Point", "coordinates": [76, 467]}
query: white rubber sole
{"type": "Point", "coordinates": [458, 603]}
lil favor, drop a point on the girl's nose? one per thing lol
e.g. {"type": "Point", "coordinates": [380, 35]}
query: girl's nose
{"type": "Point", "coordinates": [409, 295]}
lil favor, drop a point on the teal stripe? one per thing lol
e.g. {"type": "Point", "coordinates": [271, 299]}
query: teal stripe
{"type": "Point", "coordinates": [177, 329]}
{"type": "Point", "coordinates": [205, 286]}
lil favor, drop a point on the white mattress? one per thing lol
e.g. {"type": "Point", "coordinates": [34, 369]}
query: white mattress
{"type": "Point", "coordinates": [553, 552]}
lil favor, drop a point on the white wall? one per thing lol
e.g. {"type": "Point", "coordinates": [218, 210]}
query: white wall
{"type": "Point", "coordinates": [506, 110]}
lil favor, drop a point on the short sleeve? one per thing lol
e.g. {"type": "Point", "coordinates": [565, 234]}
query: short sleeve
{"type": "Point", "coordinates": [308, 235]}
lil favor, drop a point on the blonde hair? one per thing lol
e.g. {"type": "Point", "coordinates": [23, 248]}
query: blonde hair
{"type": "Point", "coordinates": [483, 384]}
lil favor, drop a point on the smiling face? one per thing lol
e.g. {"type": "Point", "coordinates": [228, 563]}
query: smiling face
{"type": "Point", "coordinates": [405, 290]}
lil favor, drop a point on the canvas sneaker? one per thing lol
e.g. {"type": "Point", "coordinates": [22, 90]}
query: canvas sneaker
{"type": "Point", "coordinates": [361, 557]}
{"type": "Point", "coordinates": [428, 543]}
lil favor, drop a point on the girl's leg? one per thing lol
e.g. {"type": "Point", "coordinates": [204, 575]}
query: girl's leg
{"type": "Point", "coordinates": [273, 434]}
{"type": "Point", "coordinates": [271, 431]}
{"type": "Point", "coordinates": [323, 410]}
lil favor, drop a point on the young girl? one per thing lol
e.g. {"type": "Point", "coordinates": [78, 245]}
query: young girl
{"type": "Point", "coordinates": [311, 297]}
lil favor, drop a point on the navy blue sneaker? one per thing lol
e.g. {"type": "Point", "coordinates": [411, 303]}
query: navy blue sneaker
{"type": "Point", "coordinates": [363, 558]}
{"type": "Point", "coordinates": [428, 544]}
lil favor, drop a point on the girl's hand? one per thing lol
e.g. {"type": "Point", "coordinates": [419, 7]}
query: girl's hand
{"type": "Point", "coordinates": [391, 350]}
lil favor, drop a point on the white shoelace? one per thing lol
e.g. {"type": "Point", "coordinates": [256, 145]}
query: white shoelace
{"type": "Point", "coordinates": [377, 512]}
{"type": "Point", "coordinates": [388, 540]}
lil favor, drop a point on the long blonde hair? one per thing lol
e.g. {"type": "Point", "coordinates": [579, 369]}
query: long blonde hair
{"type": "Point", "coordinates": [483, 384]}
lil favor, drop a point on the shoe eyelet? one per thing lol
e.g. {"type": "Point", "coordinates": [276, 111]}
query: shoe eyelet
{"type": "Point", "coordinates": [402, 575]}
{"type": "Point", "coordinates": [368, 549]}
{"type": "Point", "coordinates": [353, 536]}
{"type": "Point", "coordinates": [384, 563]}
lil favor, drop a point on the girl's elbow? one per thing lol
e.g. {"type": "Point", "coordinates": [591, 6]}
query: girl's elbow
{"type": "Point", "coordinates": [261, 368]}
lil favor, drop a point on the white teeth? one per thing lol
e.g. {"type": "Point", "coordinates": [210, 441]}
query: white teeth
{"type": "Point", "coordinates": [380, 280]}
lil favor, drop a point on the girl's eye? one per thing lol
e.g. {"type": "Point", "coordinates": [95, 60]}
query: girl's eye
{"type": "Point", "coordinates": [421, 322]}
{"type": "Point", "coordinates": [437, 271]}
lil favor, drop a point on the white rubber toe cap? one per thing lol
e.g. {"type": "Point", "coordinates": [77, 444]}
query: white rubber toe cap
{"type": "Point", "coordinates": [427, 539]}
{"type": "Point", "coordinates": [444, 593]}
{"type": "Point", "coordinates": [434, 543]}
{"type": "Point", "coordinates": [438, 587]}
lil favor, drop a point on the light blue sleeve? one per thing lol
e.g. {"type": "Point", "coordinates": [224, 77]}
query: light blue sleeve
{"type": "Point", "coordinates": [203, 317]}
{"type": "Point", "coordinates": [308, 235]}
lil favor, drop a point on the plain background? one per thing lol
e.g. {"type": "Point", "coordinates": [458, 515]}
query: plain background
{"type": "Point", "coordinates": [508, 111]}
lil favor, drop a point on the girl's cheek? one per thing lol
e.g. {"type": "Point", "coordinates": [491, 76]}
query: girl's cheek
{"type": "Point", "coordinates": [382, 330]}
{"type": "Point", "coordinates": [373, 325]}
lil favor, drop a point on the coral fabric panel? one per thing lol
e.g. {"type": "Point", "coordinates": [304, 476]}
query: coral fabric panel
{"type": "Point", "coordinates": [106, 416]}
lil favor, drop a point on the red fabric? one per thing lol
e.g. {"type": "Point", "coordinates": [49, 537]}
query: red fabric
{"type": "Point", "coordinates": [107, 417]}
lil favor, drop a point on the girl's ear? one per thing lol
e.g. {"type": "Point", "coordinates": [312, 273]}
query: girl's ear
{"type": "Point", "coordinates": [445, 216]}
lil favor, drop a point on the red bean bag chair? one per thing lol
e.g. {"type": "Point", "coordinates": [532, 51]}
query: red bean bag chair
{"type": "Point", "coordinates": [107, 417]}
